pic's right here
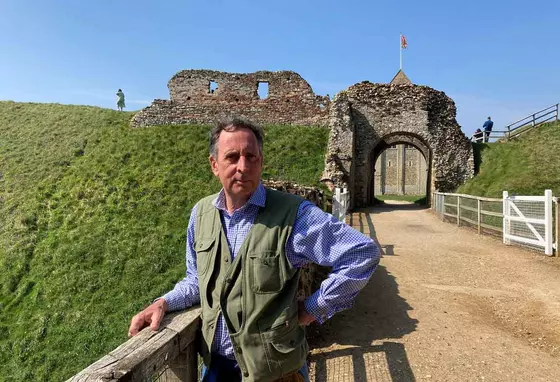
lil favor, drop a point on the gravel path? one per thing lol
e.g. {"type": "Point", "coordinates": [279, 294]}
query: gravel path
{"type": "Point", "coordinates": [444, 305]}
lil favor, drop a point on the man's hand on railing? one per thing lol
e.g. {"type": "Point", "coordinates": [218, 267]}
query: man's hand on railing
{"type": "Point", "coordinates": [152, 316]}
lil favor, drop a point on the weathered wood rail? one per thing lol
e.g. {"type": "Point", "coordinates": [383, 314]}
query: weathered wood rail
{"type": "Point", "coordinates": [172, 349]}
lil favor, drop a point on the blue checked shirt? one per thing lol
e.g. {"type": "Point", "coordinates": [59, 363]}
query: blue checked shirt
{"type": "Point", "coordinates": [317, 237]}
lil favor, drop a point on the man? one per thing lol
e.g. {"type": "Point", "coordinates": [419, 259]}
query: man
{"type": "Point", "coordinates": [487, 129]}
{"type": "Point", "coordinates": [245, 248]}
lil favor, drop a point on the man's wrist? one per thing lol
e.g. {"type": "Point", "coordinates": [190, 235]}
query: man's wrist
{"type": "Point", "coordinates": [162, 303]}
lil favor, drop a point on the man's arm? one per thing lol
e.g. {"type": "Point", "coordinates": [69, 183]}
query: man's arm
{"type": "Point", "coordinates": [320, 238]}
{"type": "Point", "coordinates": [184, 294]}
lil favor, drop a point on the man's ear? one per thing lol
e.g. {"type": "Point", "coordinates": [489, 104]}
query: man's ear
{"type": "Point", "coordinates": [213, 165]}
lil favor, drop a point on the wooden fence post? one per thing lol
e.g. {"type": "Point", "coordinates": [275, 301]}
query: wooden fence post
{"type": "Point", "coordinates": [479, 215]}
{"type": "Point", "coordinates": [505, 222]}
{"type": "Point", "coordinates": [557, 224]}
{"type": "Point", "coordinates": [442, 198]}
{"type": "Point", "coordinates": [549, 240]}
{"type": "Point", "coordinates": [181, 369]}
{"type": "Point", "coordinates": [458, 211]}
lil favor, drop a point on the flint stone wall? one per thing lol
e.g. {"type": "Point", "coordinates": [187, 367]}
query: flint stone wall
{"type": "Point", "coordinates": [290, 100]}
{"type": "Point", "coordinates": [367, 118]}
{"type": "Point", "coordinates": [311, 275]}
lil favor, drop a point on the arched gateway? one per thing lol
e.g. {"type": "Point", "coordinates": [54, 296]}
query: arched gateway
{"type": "Point", "coordinates": [367, 118]}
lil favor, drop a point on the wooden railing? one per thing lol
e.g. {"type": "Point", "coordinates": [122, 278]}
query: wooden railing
{"type": "Point", "coordinates": [486, 215]}
{"type": "Point", "coordinates": [517, 128]}
{"type": "Point", "coordinates": [168, 354]}
{"type": "Point", "coordinates": [479, 212]}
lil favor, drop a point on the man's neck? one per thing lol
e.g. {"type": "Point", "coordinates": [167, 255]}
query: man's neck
{"type": "Point", "coordinates": [233, 204]}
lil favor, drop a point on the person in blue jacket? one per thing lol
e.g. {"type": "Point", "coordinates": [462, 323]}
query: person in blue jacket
{"type": "Point", "coordinates": [487, 128]}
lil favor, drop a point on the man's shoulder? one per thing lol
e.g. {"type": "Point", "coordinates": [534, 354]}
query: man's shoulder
{"type": "Point", "coordinates": [205, 204]}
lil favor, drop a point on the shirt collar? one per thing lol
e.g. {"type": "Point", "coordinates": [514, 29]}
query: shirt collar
{"type": "Point", "coordinates": [258, 198]}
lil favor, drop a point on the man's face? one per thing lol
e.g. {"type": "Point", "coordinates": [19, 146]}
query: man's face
{"type": "Point", "coordinates": [238, 163]}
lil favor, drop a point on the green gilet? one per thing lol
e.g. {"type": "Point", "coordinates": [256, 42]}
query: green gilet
{"type": "Point", "coordinates": [256, 292]}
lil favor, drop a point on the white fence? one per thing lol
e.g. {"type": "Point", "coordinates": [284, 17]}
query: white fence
{"type": "Point", "coordinates": [528, 220]}
{"type": "Point", "coordinates": [341, 200]}
{"type": "Point", "coordinates": [520, 220]}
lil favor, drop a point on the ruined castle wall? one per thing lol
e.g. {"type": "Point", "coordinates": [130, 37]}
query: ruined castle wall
{"type": "Point", "coordinates": [382, 115]}
{"type": "Point", "coordinates": [205, 96]}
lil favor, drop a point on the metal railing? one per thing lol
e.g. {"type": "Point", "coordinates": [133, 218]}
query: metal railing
{"type": "Point", "coordinates": [517, 128]}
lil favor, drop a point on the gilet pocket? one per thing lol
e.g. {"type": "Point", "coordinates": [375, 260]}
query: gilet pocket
{"type": "Point", "coordinates": [265, 274]}
{"type": "Point", "coordinates": [287, 349]}
{"type": "Point", "coordinates": [204, 256]}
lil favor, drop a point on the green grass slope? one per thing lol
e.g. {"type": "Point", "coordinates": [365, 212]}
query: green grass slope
{"type": "Point", "coordinates": [93, 218]}
{"type": "Point", "coordinates": [526, 165]}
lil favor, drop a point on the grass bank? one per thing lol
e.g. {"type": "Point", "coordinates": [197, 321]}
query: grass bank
{"type": "Point", "coordinates": [526, 165]}
{"type": "Point", "coordinates": [93, 218]}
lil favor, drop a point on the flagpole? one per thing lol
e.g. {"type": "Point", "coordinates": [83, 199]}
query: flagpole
{"type": "Point", "coordinates": [400, 49]}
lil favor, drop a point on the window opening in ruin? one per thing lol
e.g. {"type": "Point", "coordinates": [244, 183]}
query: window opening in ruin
{"type": "Point", "coordinates": [262, 89]}
{"type": "Point", "coordinates": [388, 163]}
{"type": "Point", "coordinates": [321, 105]}
{"type": "Point", "coordinates": [212, 87]}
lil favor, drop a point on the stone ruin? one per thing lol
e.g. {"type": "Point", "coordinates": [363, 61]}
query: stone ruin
{"type": "Point", "coordinates": [364, 121]}
{"type": "Point", "coordinates": [204, 96]}
{"type": "Point", "coordinates": [368, 118]}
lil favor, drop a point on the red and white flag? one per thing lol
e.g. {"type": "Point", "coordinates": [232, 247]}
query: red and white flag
{"type": "Point", "coordinates": [404, 44]}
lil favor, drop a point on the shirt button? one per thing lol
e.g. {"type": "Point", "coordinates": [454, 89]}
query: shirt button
{"type": "Point", "coordinates": [239, 350]}
{"type": "Point", "coordinates": [226, 259]}
{"type": "Point", "coordinates": [245, 374]}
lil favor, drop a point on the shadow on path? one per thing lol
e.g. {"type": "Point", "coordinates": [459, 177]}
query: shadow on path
{"type": "Point", "coordinates": [379, 313]}
{"type": "Point", "coordinates": [385, 362]}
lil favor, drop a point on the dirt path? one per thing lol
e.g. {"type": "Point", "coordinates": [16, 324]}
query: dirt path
{"type": "Point", "coordinates": [444, 305]}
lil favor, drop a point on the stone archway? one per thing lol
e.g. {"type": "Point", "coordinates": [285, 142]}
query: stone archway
{"type": "Point", "coordinates": [394, 139]}
{"type": "Point", "coordinates": [366, 116]}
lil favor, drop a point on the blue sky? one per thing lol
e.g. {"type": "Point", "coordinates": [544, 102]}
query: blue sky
{"type": "Point", "coordinates": [497, 58]}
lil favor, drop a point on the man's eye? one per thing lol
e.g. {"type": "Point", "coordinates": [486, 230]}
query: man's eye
{"type": "Point", "coordinates": [232, 157]}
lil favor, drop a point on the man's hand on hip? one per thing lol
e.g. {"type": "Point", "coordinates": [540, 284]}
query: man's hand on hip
{"type": "Point", "coordinates": [304, 317]}
{"type": "Point", "coordinates": [152, 316]}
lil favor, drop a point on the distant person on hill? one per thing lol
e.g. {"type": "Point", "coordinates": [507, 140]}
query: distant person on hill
{"type": "Point", "coordinates": [245, 248]}
{"type": "Point", "coordinates": [478, 136]}
{"type": "Point", "coordinates": [487, 129]}
{"type": "Point", "coordinates": [120, 100]}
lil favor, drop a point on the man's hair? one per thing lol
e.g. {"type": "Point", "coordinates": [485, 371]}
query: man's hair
{"type": "Point", "coordinates": [231, 125]}
{"type": "Point", "coordinates": [489, 118]}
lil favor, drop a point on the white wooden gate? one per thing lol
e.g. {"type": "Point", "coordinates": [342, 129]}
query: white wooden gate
{"type": "Point", "coordinates": [528, 220]}
{"type": "Point", "coordinates": [341, 200]}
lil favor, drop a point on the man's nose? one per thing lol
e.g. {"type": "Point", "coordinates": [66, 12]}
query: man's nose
{"type": "Point", "coordinates": [242, 164]}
